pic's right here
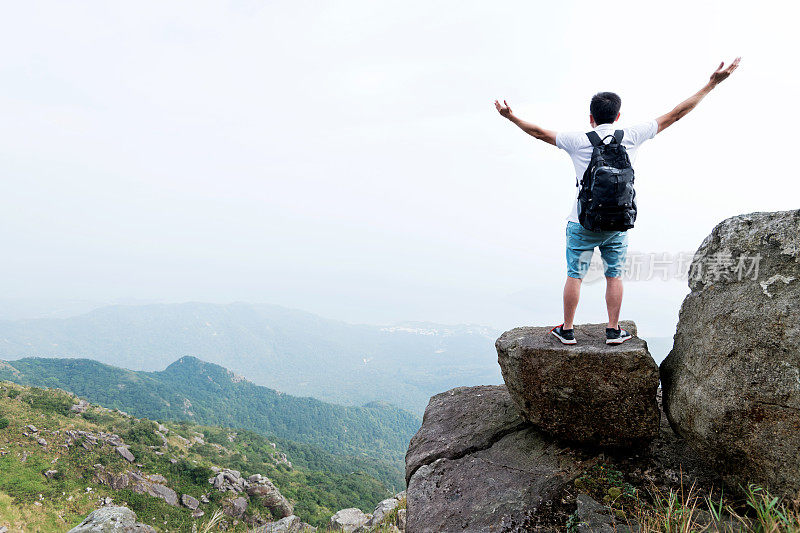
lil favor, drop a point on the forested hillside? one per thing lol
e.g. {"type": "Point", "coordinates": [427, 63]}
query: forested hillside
{"type": "Point", "coordinates": [58, 462]}
{"type": "Point", "coordinates": [372, 438]}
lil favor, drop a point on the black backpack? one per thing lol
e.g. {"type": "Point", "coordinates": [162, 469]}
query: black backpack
{"type": "Point", "coordinates": [607, 201]}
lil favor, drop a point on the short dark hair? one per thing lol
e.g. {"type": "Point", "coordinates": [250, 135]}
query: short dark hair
{"type": "Point", "coordinates": [605, 107]}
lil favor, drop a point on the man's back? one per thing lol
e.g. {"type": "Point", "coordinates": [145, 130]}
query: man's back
{"type": "Point", "coordinates": [579, 148]}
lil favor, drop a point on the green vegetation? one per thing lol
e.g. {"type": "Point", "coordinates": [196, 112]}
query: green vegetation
{"type": "Point", "coordinates": [685, 510]}
{"type": "Point", "coordinates": [374, 437]}
{"type": "Point", "coordinates": [33, 501]}
{"type": "Point", "coordinates": [606, 484]}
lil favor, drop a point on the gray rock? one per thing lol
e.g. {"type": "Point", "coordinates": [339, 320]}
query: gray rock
{"type": "Point", "coordinates": [236, 507]}
{"type": "Point", "coordinates": [164, 441]}
{"type": "Point", "coordinates": [382, 510]}
{"type": "Point", "coordinates": [50, 474]}
{"type": "Point", "coordinates": [125, 453]}
{"type": "Point", "coordinates": [269, 496]}
{"type": "Point", "coordinates": [41, 442]}
{"type": "Point", "coordinates": [115, 481]}
{"type": "Point", "coordinates": [79, 407]}
{"type": "Point", "coordinates": [498, 485]}
{"type": "Point", "coordinates": [461, 420]}
{"type": "Point", "coordinates": [190, 502]}
{"type": "Point", "coordinates": [142, 485]}
{"type": "Point", "coordinates": [401, 519]}
{"type": "Point", "coordinates": [32, 428]}
{"type": "Point", "coordinates": [479, 465]}
{"type": "Point", "coordinates": [107, 519]}
{"type": "Point", "coordinates": [591, 392]}
{"type": "Point", "coordinates": [289, 524]}
{"type": "Point", "coordinates": [732, 380]}
{"type": "Point", "coordinates": [348, 520]}
{"type": "Point", "coordinates": [594, 517]}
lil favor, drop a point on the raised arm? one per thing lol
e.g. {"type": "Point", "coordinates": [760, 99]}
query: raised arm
{"type": "Point", "coordinates": [531, 129]}
{"type": "Point", "coordinates": [719, 75]}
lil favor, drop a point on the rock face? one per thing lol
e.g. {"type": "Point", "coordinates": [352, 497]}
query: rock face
{"type": "Point", "coordinates": [591, 392]}
{"type": "Point", "coordinates": [732, 380]}
{"type": "Point", "coordinates": [108, 519]}
{"type": "Point", "coordinates": [476, 465]}
{"type": "Point", "coordinates": [462, 420]}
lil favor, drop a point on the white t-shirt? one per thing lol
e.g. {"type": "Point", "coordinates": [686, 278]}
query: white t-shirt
{"type": "Point", "coordinates": [577, 145]}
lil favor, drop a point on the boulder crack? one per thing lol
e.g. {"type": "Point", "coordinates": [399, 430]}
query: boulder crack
{"type": "Point", "coordinates": [472, 449]}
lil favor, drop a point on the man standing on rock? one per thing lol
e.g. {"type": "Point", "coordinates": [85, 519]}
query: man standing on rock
{"type": "Point", "coordinates": [587, 150]}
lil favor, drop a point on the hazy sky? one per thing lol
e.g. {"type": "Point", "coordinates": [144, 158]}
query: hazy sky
{"type": "Point", "coordinates": [345, 157]}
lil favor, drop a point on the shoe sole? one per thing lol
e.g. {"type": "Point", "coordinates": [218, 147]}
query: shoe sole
{"type": "Point", "coordinates": [562, 339]}
{"type": "Point", "coordinates": [618, 341]}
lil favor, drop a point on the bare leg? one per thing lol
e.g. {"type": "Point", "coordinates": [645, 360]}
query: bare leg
{"type": "Point", "coordinates": [613, 300]}
{"type": "Point", "coordinates": [572, 293]}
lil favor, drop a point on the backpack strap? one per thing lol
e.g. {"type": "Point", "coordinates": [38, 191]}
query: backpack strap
{"type": "Point", "coordinates": [594, 138]}
{"type": "Point", "coordinates": [618, 135]}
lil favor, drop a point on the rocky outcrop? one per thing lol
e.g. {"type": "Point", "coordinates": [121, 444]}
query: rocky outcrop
{"type": "Point", "coordinates": [79, 407]}
{"type": "Point", "coordinates": [154, 486]}
{"type": "Point", "coordinates": [108, 519]}
{"type": "Point", "coordinates": [591, 392]}
{"type": "Point", "coordinates": [475, 465]}
{"type": "Point", "coordinates": [114, 481]}
{"type": "Point", "coordinates": [261, 489]}
{"type": "Point", "coordinates": [732, 380]}
{"type": "Point", "coordinates": [229, 480]}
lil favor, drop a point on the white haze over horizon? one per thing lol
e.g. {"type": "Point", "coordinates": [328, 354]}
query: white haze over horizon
{"type": "Point", "coordinates": [345, 158]}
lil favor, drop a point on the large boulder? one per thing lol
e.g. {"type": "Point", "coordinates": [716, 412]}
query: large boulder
{"type": "Point", "coordinates": [475, 464]}
{"type": "Point", "coordinates": [349, 520]}
{"type": "Point", "coordinates": [732, 380]}
{"type": "Point", "coordinates": [590, 392]}
{"type": "Point", "coordinates": [462, 420]}
{"type": "Point", "coordinates": [112, 519]}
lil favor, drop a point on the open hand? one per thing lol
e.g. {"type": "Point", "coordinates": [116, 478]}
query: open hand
{"type": "Point", "coordinates": [722, 73]}
{"type": "Point", "coordinates": [504, 110]}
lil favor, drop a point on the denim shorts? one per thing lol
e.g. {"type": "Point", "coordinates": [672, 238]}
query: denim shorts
{"type": "Point", "coordinates": [581, 244]}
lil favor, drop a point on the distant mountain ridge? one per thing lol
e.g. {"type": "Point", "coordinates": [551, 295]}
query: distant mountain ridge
{"type": "Point", "coordinates": [206, 393]}
{"type": "Point", "coordinates": [293, 351]}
